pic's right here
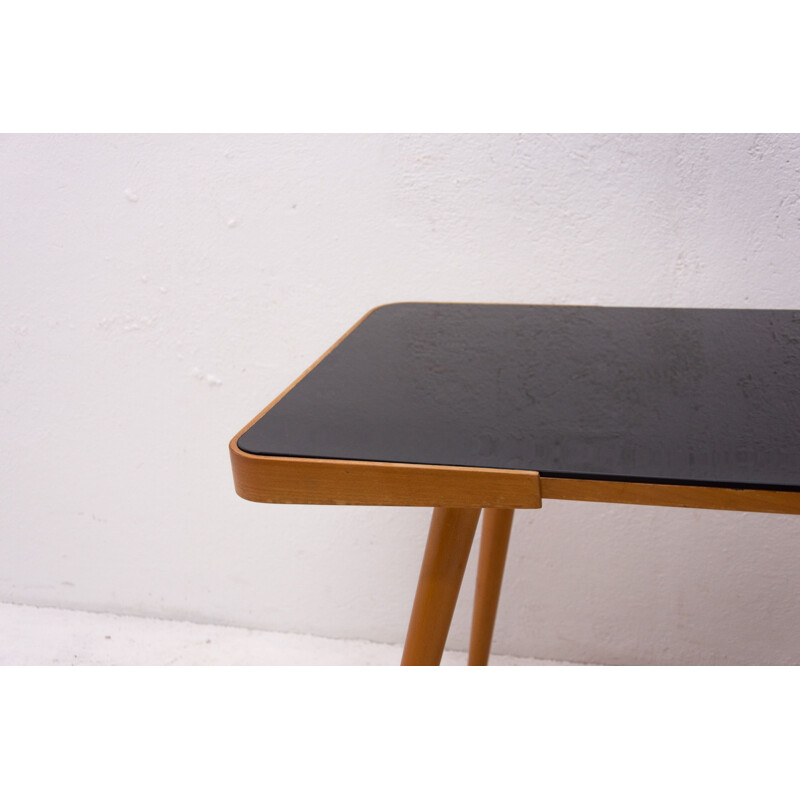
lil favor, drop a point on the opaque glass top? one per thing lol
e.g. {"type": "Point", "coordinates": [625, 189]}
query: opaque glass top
{"type": "Point", "coordinates": [685, 396]}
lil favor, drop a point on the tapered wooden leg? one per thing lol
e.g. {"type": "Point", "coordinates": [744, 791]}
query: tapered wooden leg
{"type": "Point", "coordinates": [446, 553]}
{"type": "Point", "coordinates": [495, 534]}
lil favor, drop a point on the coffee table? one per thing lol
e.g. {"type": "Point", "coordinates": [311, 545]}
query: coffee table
{"type": "Point", "coordinates": [464, 407]}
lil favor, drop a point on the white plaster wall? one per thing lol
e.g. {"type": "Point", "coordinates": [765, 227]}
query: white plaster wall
{"type": "Point", "coordinates": [158, 290]}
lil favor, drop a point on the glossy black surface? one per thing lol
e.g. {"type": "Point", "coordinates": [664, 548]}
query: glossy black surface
{"type": "Point", "coordinates": [685, 396]}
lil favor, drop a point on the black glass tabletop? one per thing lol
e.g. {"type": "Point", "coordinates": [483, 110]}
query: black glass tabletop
{"type": "Point", "coordinates": [684, 396]}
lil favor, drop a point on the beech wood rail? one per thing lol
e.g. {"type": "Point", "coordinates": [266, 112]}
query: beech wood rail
{"type": "Point", "coordinates": [465, 406]}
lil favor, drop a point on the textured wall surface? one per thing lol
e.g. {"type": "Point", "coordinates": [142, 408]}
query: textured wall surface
{"type": "Point", "coordinates": [157, 291]}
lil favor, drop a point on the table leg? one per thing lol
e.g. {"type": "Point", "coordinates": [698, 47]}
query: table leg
{"type": "Point", "coordinates": [449, 540]}
{"type": "Point", "coordinates": [495, 533]}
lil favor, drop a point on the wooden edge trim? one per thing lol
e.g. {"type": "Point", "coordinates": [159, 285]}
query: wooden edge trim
{"type": "Point", "coordinates": [653, 494]}
{"type": "Point", "coordinates": [311, 481]}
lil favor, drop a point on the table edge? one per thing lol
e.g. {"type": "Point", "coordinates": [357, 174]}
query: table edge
{"type": "Point", "coordinates": [318, 481]}
{"type": "Point", "coordinates": [315, 481]}
{"type": "Point", "coordinates": [675, 495]}
{"type": "Point", "coordinates": [285, 479]}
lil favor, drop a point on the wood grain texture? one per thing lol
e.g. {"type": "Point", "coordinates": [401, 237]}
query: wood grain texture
{"type": "Point", "coordinates": [312, 481]}
{"type": "Point", "coordinates": [446, 553]}
{"type": "Point", "coordinates": [653, 494]}
{"type": "Point", "coordinates": [495, 535]}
